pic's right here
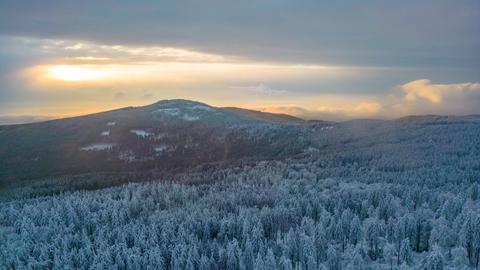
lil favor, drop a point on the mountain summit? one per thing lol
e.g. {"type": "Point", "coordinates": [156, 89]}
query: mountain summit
{"type": "Point", "coordinates": [167, 135]}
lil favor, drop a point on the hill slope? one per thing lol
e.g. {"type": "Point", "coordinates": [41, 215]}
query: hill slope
{"type": "Point", "coordinates": [362, 194]}
{"type": "Point", "coordinates": [178, 136]}
{"type": "Point", "coordinates": [167, 135]}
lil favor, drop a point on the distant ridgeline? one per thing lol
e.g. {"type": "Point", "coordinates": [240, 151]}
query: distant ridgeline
{"type": "Point", "coordinates": [238, 189]}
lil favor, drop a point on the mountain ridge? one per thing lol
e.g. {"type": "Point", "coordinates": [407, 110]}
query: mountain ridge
{"type": "Point", "coordinates": [166, 135]}
{"type": "Point", "coordinates": [280, 118]}
{"type": "Point", "coordinates": [272, 117]}
{"type": "Point", "coordinates": [173, 136]}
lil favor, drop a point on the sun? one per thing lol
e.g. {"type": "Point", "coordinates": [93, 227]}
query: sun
{"type": "Point", "coordinates": [77, 73]}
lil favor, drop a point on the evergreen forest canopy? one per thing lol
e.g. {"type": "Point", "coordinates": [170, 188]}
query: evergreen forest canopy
{"type": "Point", "coordinates": [365, 194]}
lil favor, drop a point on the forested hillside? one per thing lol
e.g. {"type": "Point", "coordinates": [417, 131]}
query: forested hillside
{"type": "Point", "coordinates": [170, 135]}
{"type": "Point", "coordinates": [402, 194]}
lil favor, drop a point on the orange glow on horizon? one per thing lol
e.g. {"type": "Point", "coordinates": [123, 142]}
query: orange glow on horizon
{"type": "Point", "coordinates": [77, 73]}
{"type": "Point", "coordinates": [174, 72]}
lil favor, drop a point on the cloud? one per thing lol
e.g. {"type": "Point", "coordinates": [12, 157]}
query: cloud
{"type": "Point", "coordinates": [261, 89]}
{"type": "Point", "coordinates": [367, 108]}
{"type": "Point", "coordinates": [425, 89]}
{"type": "Point", "coordinates": [425, 97]}
{"type": "Point", "coordinates": [362, 108]}
{"type": "Point", "coordinates": [74, 64]}
{"type": "Point", "coordinates": [92, 51]}
{"type": "Point", "coordinates": [119, 95]}
{"type": "Point", "coordinates": [350, 33]}
{"type": "Point", "coordinates": [73, 70]}
{"type": "Point", "coordinates": [334, 113]}
{"type": "Point", "coordinates": [416, 97]}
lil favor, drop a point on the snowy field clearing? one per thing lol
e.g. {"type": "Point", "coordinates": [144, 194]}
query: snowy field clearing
{"type": "Point", "coordinates": [140, 132]}
{"type": "Point", "coordinates": [98, 147]}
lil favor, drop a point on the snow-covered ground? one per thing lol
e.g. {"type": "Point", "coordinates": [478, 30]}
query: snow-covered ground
{"type": "Point", "coordinates": [161, 136]}
{"type": "Point", "coordinates": [188, 117]}
{"type": "Point", "coordinates": [98, 147]}
{"type": "Point", "coordinates": [127, 156]}
{"type": "Point", "coordinates": [161, 148]}
{"type": "Point", "coordinates": [326, 128]}
{"type": "Point", "coordinates": [111, 124]}
{"type": "Point", "coordinates": [140, 132]}
{"type": "Point", "coordinates": [175, 112]}
{"type": "Point", "coordinates": [105, 133]}
{"type": "Point", "coordinates": [169, 111]}
{"type": "Point", "coordinates": [387, 197]}
{"type": "Point", "coordinates": [187, 113]}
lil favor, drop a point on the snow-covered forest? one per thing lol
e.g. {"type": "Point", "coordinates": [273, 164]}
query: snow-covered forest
{"type": "Point", "coordinates": [409, 201]}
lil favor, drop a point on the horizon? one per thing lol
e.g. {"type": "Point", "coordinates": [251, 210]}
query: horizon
{"type": "Point", "coordinates": [313, 60]}
{"type": "Point", "coordinates": [31, 119]}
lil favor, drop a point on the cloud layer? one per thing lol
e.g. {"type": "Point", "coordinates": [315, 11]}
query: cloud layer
{"type": "Point", "coordinates": [424, 97]}
{"type": "Point", "coordinates": [425, 89]}
{"type": "Point", "coordinates": [339, 59]}
{"type": "Point", "coordinates": [415, 97]}
{"type": "Point", "coordinates": [260, 89]}
{"type": "Point", "coordinates": [407, 33]}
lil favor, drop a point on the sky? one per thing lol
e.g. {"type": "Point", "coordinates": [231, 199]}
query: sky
{"type": "Point", "coordinates": [331, 60]}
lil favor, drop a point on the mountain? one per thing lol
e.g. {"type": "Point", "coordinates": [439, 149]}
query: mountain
{"type": "Point", "coordinates": [22, 119]}
{"type": "Point", "coordinates": [234, 187]}
{"type": "Point", "coordinates": [170, 135]}
{"type": "Point", "coordinates": [437, 118]}
{"type": "Point", "coordinates": [265, 116]}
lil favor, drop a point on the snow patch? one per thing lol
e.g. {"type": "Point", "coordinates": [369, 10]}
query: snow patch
{"type": "Point", "coordinates": [161, 148]}
{"type": "Point", "coordinates": [98, 147]}
{"type": "Point", "coordinates": [183, 114]}
{"type": "Point", "coordinates": [127, 156]}
{"type": "Point", "coordinates": [110, 124]}
{"type": "Point", "coordinates": [105, 133]}
{"type": "Point", "coordinates": [161, 136]}
{"type": "Point", "coordinates": [169, 111]}
{"type": "Point", "coordinates": [326, 128]}
{"type": "Point", "coordinates": [188, 117]}
{"type": "Point", "coordinates": [140, 132]}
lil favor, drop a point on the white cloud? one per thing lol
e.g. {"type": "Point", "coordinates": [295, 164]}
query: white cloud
{"type": "Point", "coordinates": [74, 47]}
{"type": "Point", "coordinates": [159, 53]}
{"type": "Point", "coordinates": [425, 89]}
{"type": "Point", "coordinates": [358, 110]}
{"type": "Point", "coordinates": [77, 64]}
{"type": "Point", "coordinates": [416, 97]}
{"type": "Point", "coordinates": [424, 97]}
{"type": "Point", "coordinates": [93, 51]}
{"type": "Point", "coordinates": [261, 89]}
{"type": "Point", "coordinates": [367, 108]}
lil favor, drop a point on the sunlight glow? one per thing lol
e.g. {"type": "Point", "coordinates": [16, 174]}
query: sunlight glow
{"type": "Point", "coordinates": [86, 65]}
{"type": "Point", "coordinates": [178, 71]}
{"type": "Point", "coordinates": [77, 73]}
